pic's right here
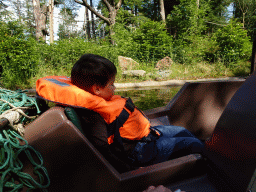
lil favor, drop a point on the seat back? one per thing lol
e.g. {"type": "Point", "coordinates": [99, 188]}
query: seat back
{"type": "Point", "coordinates": [231, 150]}
{"type": "Point", "coordinates": [74, 164]}
{"type": "Point", "coordinates": [198, 106]}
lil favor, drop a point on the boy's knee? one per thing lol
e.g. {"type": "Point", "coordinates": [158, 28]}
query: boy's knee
{"type": "Point", "coordinates": [174, 131]}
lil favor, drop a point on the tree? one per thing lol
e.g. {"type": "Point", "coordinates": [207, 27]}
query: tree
{"type": "Point", "coordinates": [40, 13]}
{"type": "Point", "coordinates": [17, 5]}
{"type": "Point", "coordinates": [162, 10]}
{"type": "Point", "coordinates": [232, 42]}
{"type": "Point", "coordinates": [217, 15]}
{"type": "Point", "coordinates": [244, 7]}
{"type": "Point", "coordinates": [150, 9]}
{"type": "Point", "coordinates": [21, 10]}
{"type": "Point", "coordinates": [3, 12]}
{"type": "Point", "coordinates": [28, 15]}
{"type": "Point", "coordinates": [188, 19]}
{"type": "Point", "coordinates": [112, 8]}
{"type": "Point", "coordinates": [245, 12]}
{"type": "Point", "coordinates": [93, 24]}
{"type": "Point", "coordinates": [67, 23]}
{"type": "Point", "coordinates": [88, 26]}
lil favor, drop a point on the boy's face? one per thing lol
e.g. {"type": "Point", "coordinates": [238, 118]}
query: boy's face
{"type": "Point", "coordinates": [108, 91]}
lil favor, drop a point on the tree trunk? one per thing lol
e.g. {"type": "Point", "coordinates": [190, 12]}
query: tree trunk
{"type": "Point", "coordinates": [112, 15]}
{"type": "Point", "coordinates": [243, 19]}
{"type": "Point", "coordinates": [155, 10]}
{"type": "Point", "coordinates": [18, 6]}
{"type": "Point", "coordinates": [162, 10]}
{"type": "Point", "coordinates": [84, 25]}
{"type": "Point", "coordinates": [29, 13]}
{"type": "Point", "coordinates": [40, 20]}
{"type": "Point", "coordinates": [51, 6]}
{"type": "Point", "coordinates": [92, 17]}
{"type": "Point", "coordinates": [88, 24]}
{"type": "Point", "coordinates": [112, 8]}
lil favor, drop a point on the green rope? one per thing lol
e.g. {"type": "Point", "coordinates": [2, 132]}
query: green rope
{"type": "Point", "coordinates": [12, 177]}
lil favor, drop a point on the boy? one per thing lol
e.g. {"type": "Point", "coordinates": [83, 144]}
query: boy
{"type": "Point", "coordinates": [116, 127]}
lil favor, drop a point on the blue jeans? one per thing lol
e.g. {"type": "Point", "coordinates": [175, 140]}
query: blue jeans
{"type": "Point", "coordinates": [173, 142]}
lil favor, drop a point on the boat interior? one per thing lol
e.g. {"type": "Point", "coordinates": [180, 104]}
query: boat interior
{"type": "Point", "coordinates": [220, 113]}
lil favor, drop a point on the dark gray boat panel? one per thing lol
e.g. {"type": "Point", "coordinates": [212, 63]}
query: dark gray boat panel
{"type": "Point", "coordinates": [232, 147]}
{"type": "Point", "coordinates": [231, 150]}
{"type": "Point", "coordinates": [197, 106]}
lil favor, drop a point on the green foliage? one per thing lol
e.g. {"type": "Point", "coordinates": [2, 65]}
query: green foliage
{"type": "Point", "coordinates": [18, 55]}
{"type": "Point", "coordinates": [218, 14]}
{"type": "Point", "coordinates": [193, 42]}
{"type": "Point", "coordinates": [60, 57]}
{"type": "Point", "coordinates": [124, 40]}
{"type": "Point", "coordinates": [148, 42]}
{"type": "Point", "coordinates": [232, 43]}
{"type": "Point", "coordinates": [66, 30]}
{"type": "Point", "coordinates": [192, 49]}
{"type": "Point", "coordinates": [187, 18]}
{"type": "Point", "coordinates": [152, 40]}
{"type": "Point", "coordinates": [244, 12]}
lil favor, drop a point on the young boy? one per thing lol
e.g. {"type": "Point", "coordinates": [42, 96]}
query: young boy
{"type": "Point", "coordinates": [116, 127]}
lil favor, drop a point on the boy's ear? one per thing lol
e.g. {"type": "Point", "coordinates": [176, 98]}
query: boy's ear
{"type": "Point", "coordinates": [95, 89]}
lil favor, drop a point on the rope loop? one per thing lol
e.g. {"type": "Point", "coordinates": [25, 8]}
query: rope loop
{"type": "Point", "coordinates": [14, 106]}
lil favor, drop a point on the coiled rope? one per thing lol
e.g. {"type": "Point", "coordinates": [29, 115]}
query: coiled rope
{"type": "Point", "coordinates": [13, 147]}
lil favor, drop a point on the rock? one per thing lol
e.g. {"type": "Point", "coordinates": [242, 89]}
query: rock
{"type": "Point", "coordinates": [134, 73]}
{"type": "Point", "coordinates": [164, 63]}
{"type": "Point", "coordinates": [159, 75]}
{"type": "Point", "coordinates": [127, 63]}
{"type": "Point", "coordinates": [164, 73]}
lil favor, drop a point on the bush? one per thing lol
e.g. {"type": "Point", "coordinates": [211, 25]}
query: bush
{"type": "Point", "coordinates": [151, 41]}
{"type": "Point", "coordinates": [18, 55]}
{"type": "Point", "coordinates": [148, 42]}
{"type": "Point", "coordinates": [59, 58]}
{"type": "Point", "coordinates": [232, 43]}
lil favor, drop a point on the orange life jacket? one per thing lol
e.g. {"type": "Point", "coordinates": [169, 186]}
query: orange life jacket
{"type": "Point", "coordinates": [123, 118]}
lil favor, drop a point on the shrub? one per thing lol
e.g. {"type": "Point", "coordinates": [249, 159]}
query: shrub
{"type": "Point", "coordinates": [18, 55]}
{"type": "Point", "coordinates": [151, 41]}
{"type": "Point", "coordinates": [147, 42]}
{"type": "Point", "coordinates": [59, 58]}
{"type": "Point", "coordinates": [232, 43]}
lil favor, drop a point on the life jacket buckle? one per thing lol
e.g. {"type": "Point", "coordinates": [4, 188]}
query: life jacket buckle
{"type": "Point", "coordinates": [155, 132]}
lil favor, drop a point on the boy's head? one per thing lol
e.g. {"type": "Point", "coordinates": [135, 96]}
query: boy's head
{"type": "Point", "coordinates": [94, 74]}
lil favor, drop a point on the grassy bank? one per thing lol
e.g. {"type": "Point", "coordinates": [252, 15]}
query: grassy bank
{"type": "Point", "coordinates": [23, 60]}
{"type": "Point", "coordinates": [194, 71]}
{"type": "Point", "coordinates": [178, 72]}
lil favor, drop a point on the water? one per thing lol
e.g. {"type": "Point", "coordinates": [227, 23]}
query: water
{"type": "Point", "coordinates": [152, 98]}
{"type": "Point", "coordinates": [143, 99]}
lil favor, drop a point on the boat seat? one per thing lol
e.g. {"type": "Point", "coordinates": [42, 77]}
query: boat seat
{"type": "Point", "coordinates": [197, 106]}
{"type": "Point", "coordinates": [231, 150]}
{"type": "Point", "coordinates": [74, 164]}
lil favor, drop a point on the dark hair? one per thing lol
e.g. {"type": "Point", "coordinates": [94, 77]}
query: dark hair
{"type": "Point", "coordinates": [92, 69]}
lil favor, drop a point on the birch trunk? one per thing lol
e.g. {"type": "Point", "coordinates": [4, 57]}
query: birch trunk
{"type": "Point", "coordinates": [40, 20]}
{"type": "Point", "coordinates": [162, 10]}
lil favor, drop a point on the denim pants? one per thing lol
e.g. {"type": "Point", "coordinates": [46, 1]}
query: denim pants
{"type": "Point", "coordinates": [173, 142]}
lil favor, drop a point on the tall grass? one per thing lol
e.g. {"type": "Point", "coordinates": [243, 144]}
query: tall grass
{"type": "Point", "coordinates": [59, 58]}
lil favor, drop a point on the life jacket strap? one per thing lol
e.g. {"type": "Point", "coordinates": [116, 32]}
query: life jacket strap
{"type": "Point", "coordinates": [129, 105]}
{"type": "Point", "coordinates": [113, 128]}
